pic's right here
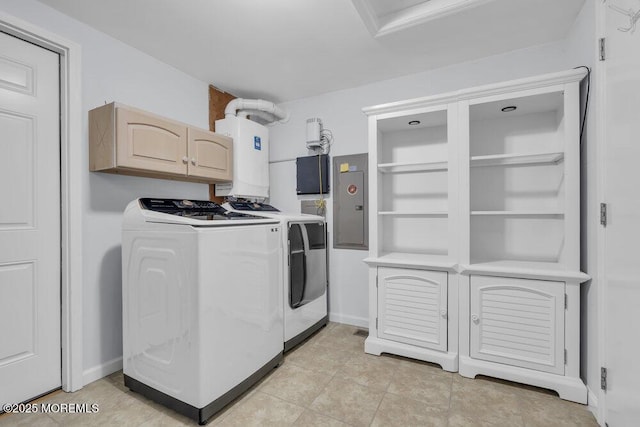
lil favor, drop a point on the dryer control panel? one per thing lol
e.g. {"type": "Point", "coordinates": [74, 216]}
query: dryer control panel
{"type": "Point", "coordinates": [241, 205]}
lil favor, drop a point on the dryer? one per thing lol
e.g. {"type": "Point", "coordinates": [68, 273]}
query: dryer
{"type": "Point", "coordinates": [202, 302]}
{"type": "Point", "coordinates": [304, 263]}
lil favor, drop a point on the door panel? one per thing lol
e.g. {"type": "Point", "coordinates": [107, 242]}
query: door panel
{"type": "Point", "coordinates": [18, 281]}
{"type": "Point", "coordinates": [350, 193]}
{"type": "Point", "coordinates": [621, 236]}
{"type": "Point", "coordinates": [210, 156]}
{"type": "Point", "coordinates": [146, 142]}
{"type": "Point", "coordinates": [412, 307]}
{"type": "Point", "coordinates": [518, 322]}
{"type": "Point", "coordinates": [17, 167]}
{"type": "Point", "coordinates": [297, 266]}
{"type": "Point", "coordinates": [29, 220]}
{"type": "Point", "coordinates": [316, 262]}
{"type": "Point", "coordinates": [16, 76]}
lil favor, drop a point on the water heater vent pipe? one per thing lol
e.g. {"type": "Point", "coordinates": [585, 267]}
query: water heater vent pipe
{"type": "Point", "coordinates": [259, 107]}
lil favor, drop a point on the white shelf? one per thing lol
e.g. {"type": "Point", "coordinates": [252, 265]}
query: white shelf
{"type": "Point", "coordinates": [525, 269]}
{"type": "Point", "coordinates": [518, 213]}
{"type": "Point", "coordinates": [518, 159]}
{"type": "Point", "coordinates": [414, 213]}
{"type": "Point", "coordinates": [413, 260]}
{"type": "Point", "coordinates": [405, 167]}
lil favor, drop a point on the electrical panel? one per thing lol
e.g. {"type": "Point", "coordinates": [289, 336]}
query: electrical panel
{"type": "Point", "coordinates": [350, 202]}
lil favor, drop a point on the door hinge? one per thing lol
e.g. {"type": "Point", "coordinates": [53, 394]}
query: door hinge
{"type": "Point", "coordinates": [565, 356]}
{"type": "Point", "coordinates": [603, 214]}
{"type": "Point", "coordinates": [602, 49]}
{"type": "Point", "coordinates": [376, 323]}
{"type": "Point", "coordinates": [376, 281]}
{"type": "Point", "coordinates": [603, 378]}
{"type": "Point", "coordinates": [566, 301]}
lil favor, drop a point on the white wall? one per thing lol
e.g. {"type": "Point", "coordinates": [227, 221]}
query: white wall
{"type": "Point", "coordinates": [113, 71]}
{"type": "Point", "coordinates": [341, 112]}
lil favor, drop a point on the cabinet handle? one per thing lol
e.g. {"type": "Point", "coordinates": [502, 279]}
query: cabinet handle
{"type": "Point", "coordinates": [193, 160]}
{"type": "Point", "coordinates": [185, 160]}
{"type": "Point", "coordinates": [475, 318]}
{"type": "Point", "coordinates": [443, 312]}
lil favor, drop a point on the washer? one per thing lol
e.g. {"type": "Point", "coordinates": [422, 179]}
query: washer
{"type": "Point", "coordinates": [202, 303]}
{"type": "Point", "coordinates": [304, 260]}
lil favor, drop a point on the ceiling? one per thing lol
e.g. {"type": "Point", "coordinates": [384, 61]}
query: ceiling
{"type": "Point", "coordinates": [282, 50]}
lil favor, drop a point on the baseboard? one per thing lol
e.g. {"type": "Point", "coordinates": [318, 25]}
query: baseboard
{"type": "Point", "coordinates": [361, 322]}
{"type": "Point", "coordinates": [101, 371]}
{"type": "Point", "coordinates": [592, 401]}
{"type": "Point", "coordinates": [568, 388]}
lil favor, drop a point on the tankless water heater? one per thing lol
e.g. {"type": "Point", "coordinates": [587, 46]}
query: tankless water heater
{"type": "Point", "coordinates": [250, 158]}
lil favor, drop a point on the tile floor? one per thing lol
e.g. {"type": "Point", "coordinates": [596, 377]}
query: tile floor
{"type": "Point", "coordinates": [330, 381]}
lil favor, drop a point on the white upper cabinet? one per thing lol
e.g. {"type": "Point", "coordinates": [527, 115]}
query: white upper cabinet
{"type": "Point", "coordinates": [519, 178]}
{"type": "Point", "coordinates": [415, 186]}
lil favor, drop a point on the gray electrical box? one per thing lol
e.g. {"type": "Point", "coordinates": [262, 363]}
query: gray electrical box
{"type": "Point", "coordinates": [312, 207]}
{"type": "Point", "coordinates": [350, 202]}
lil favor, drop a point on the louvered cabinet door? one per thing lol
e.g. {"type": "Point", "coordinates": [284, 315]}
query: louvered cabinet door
{"type": "Point", "coordinates": [518, 322]}
{"type": "Point", "coordinates": [412, 307]}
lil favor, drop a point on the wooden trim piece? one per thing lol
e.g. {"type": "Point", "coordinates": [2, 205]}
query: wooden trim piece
{"type": "Point", "coordinates": [218, 101]}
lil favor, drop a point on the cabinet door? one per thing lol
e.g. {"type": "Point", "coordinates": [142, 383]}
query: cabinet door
{"type": "Point", "coordinates": [518, 322]}
{"type": "Point", "coordinates": [210, 155]}
{"type": "Point", "coordinates": [412, 307]}
{"type": "Point", "coordinates": [150, 143]}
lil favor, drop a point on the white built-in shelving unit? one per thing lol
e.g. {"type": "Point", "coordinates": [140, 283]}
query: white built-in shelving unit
{"type": "Point", "coordinates": [474, 231]}
{"type": "Point", "coordinates": [414, 245]}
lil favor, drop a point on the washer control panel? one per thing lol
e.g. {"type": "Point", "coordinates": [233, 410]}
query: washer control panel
{"type": "Point", "coordinates": [173, 205]}
{"type": "Point", "coordinates": [197, 209]}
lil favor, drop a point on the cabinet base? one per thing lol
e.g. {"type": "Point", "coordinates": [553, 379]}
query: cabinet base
{"type": "Point", "coordinates": [568, 388]}
{"type": "Point", "coordinates": [377, 346]}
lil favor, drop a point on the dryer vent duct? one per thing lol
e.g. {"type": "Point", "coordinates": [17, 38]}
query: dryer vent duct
{"type": "Point", "coordinates": [266, 111]}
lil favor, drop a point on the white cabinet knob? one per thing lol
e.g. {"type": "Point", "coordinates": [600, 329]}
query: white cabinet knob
{"type": "Point", "coordinates": [443, 312]}
{"type": "Point", "coordinates": [475, 318]}
{"type": "Point", "coordinates": [193, 160]}
{"type": "Point", "coordinates": [185, 160]}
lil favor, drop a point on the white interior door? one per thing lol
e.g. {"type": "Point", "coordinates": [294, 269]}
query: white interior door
{"type": "Point", "coordinates": [30, 362]}
{"type": "Point", "coordinates": [622, 233]}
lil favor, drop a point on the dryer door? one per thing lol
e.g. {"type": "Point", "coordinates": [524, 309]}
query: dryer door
{"type": "Point", "coordinates": [297, 265]}
{"type": "Point", "coordinates": [316, 260]}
